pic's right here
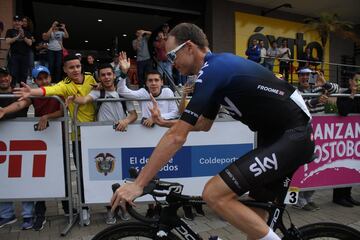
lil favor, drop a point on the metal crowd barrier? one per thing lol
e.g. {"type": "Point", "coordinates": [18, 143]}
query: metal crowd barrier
{"type": "Point", "coordinates": [68, 191]}
{"type": "Point", "coordinates": [76, 124]}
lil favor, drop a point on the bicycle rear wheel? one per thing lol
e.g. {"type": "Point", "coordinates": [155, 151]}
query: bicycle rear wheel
{"type": "Point", "coordinates": [131, 231]}
{"type": "Point", "coordinates": [328, 231]}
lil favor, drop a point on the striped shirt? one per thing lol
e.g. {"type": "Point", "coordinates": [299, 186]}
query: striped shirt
{"type": "Point", "coordinates": [313, 103]}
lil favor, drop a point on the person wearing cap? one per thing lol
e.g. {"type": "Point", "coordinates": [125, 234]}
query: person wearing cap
{"type": "Point", "coordinates": [7, 210]}
{"type": "Point", "coordinates": [45, 109]}
{"type": "Point", "coordinates": [79, 56]}
{"type": "Point", "coordinates": [20, 42]}
{"type": "Point", "coordinates": [76, 83]}
{"type": "Point", "coordinates": [315, 105]}
{"type": "Point", "coordinates": [5, 88]}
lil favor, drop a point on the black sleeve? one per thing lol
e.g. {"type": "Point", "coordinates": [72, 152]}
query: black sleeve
{"type": "Point", "coordinates": [211, 111]}
{"type": "Point", "coordinates": [345, 105]}
{"type": "Point", "coordinates": [204, 100]}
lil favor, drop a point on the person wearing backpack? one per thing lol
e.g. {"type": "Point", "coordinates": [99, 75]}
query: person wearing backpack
{"type": "Point", "coordinates": [120, 113]}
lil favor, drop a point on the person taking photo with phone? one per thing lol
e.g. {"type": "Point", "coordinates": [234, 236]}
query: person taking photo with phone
{"type": "Point", "coordinates": [313, 82]}
{"type": "Point", "coordinates": [56, 33]}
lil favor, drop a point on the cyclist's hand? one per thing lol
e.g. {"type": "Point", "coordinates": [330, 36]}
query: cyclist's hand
{"type": "Point", "coordinates": [126, 193]}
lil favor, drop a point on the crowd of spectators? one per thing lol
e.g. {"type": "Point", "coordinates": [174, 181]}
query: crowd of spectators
{"type": "Point", "coordinates": [85, 83]}
{"type": "Point", "coordinates": [257, 52]}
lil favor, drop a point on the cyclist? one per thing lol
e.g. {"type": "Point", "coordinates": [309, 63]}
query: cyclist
{"type": "Point", "coordinates": [252, 95]}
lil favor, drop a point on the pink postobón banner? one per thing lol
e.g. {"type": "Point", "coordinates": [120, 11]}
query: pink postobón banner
{"type": "Point", "coordinates": [337, 142]}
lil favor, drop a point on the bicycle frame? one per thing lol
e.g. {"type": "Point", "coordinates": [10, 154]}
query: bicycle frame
{"type": "Point", "coordinates": [169, 219]}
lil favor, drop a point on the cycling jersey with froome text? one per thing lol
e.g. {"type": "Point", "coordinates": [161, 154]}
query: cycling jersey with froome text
{"type": "Point", "coordinates": [251, 93]}
{"type": "Point", "coordinates": [266, 104]}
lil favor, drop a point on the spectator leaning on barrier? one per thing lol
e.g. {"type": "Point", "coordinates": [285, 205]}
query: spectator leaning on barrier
{"type": "Point", "coordinates": [319, 85]}
{"type": "Point", "coordinates": [121, 113]}
{"type": "Point", "coordinates": [109, 111]}
{"type": "Point", "coordinates": [75, 84]}
{"type": "Point", "coordinates": [45, 108]}
{"type": "Point", "coordinates": [154, 86]}
{"type": "Point", "coordinates": [346, 105]}
{"type": "Point", "coordinates": [7, 211]}
{"type": "Point", "coordinates": [315, 105]}
{"type": "Point", "coordinates": [5, 88]}
{"type": "Point", "coordinates": [20, 41]}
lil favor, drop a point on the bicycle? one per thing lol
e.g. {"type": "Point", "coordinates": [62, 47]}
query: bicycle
{"type": "Point", "coordinates": [170, 226]}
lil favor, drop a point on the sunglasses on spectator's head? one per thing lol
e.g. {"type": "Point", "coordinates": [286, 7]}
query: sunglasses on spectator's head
{"type": "Point", "coordinates": [172, 54]}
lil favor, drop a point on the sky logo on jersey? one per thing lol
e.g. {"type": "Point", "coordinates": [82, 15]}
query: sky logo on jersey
{"type": "Point", "coordinates": [270, 90]}
{"type": "Point", "coordinates": [267, 164]}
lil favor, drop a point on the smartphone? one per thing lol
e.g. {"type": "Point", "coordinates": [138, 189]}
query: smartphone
{"type": "Point", "coordinates": [313, 78]}
{"type": "Point", "coordinates": [36, 126]}
{"type": "Point", "coordinates": [358, 85]}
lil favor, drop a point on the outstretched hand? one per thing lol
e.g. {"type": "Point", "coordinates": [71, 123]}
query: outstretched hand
{"type": "Point", "coordinates": [23, 92]}
{"type": "Point", "coordinates": [124, 62]}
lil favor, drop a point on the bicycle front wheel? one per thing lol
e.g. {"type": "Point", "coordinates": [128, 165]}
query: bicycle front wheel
{"type": "Point", "coordinates": [131, 230]}
{"type": "Point", "coordinates": [328, 231]}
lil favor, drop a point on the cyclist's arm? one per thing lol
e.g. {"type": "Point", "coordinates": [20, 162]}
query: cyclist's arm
{"type": "Point", "coordinates": [169, 144]}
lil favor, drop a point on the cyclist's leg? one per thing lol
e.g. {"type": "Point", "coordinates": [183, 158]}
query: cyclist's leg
{"type": "Point", "coordinates": [224, 202]}
{"type": "Point", "coordinates": [257, 168]}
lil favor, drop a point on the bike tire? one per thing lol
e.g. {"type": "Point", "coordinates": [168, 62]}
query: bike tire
{"type": "Point", "coordinates": [131, 230]}
{"type": "Point", "coordinates": [331, 231]}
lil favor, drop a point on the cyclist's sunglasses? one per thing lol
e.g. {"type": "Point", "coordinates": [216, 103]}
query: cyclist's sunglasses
{"type": "Point", "coordinates": [172, 54]}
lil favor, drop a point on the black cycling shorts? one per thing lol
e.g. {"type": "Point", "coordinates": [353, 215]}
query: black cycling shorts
{"type": "Point", "coordinates": [263, 170]}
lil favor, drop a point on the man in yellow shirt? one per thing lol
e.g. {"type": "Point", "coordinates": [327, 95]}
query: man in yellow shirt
{"type": "Point", "coordinates": [75, 84]}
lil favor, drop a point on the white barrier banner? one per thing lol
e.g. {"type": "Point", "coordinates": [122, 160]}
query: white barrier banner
{"type": "Point", "coordinates": [107, 155]}
{"type": "Point", "coordinates": [31, 162]}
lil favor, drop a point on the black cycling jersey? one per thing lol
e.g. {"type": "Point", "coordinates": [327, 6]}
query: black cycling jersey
{"type": "Point", "coordinates": [254, 96]}
{"type": "Point", "coordinates": [250, 92]}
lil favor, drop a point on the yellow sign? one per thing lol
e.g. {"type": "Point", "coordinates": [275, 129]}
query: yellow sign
{"type": "Point", "coordinates": [271, 29]}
